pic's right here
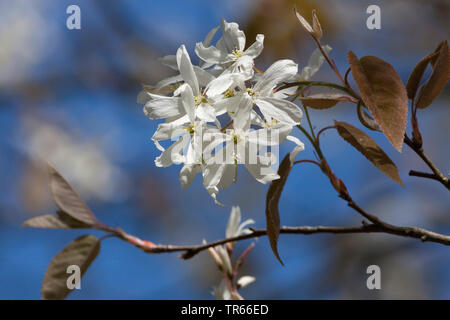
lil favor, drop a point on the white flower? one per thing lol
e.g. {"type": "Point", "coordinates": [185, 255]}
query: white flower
{"type": "Point", "coordinates": [189, 134]}
{"type": "Point", "coordinates": [171, 107]}
{"type": "Point", "coordinates": [229, 52]}
{"type": "Point", "coordinates": [234, 226]}
{"type": "Point", "coordinates": [271, 106]}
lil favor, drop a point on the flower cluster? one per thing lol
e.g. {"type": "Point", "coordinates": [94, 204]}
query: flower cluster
{"type": "Point", "coordinates": [224, 111]}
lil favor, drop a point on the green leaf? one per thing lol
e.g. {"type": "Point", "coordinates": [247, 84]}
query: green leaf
{"type": "Point", "coordinates": [384, 94]}
{"type": "Point", "coordinates": [272, 199]}
{"type": "Point", "coordinates": [80, 252]}
{"type": "Point", "coordinates": [438, 79]}
{"type": "Point", "coordinates": [50, 221]}
{"type": "Point", "coordinates": [68, 200]}
{"type": "Point", "coordinates": [369, 148]}
{"type": "Point", "coordinates": [325, 100]}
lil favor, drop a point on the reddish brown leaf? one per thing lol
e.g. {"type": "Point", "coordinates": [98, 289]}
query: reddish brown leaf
{"type": "Point", "coordinates": [50, 221]}
{"type": "Point", "coordinates": [416, 75]}
{"type": "Point", "coordinates": [304, 23]}
{"type": "Point", "coordinates": [272, 199]}
{"type": "Point", "coordinates": [325, 100]}
{"type": "Point", "coordinates": [384, 94]}
{"type": "Point", "coordinates": [81, 252]}
{"type": "Point", "coordinates": [68, 200]}
{"type": "Point", "coordinates": [438, 80]}
{"type": "Point", "coordinates": [316, 26]}
{"type": "Point", "coordinates": [369, 148]}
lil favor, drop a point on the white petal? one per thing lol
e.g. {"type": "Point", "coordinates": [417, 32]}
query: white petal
{"type": "Point", "coordinates": [206, 43]}
{"type": "Point", "coordinates": [212, 173]}
{"type": "Point", "coordinates": [241, 119]}
{"type": "Point", "coordinates": [223, 253]}
{"type": "Point", "coordinates": [300, 146]}
{"type": "Point", "coordinates": [169, 61]}
{"type": "Point", "coordinates": [221, 45]}
{"type": "Point", "coordinates": [203, 76]}
{"type": "Point", "coordinates": [223, 82]}
{"type": "Point", "coordinates": [233, 37]}
{"type": "Point", "coordinates": [164, 107]}
{"type": "Point", "coordinates": [241, 229]}
{"type": "Point", "coordinates": [315, 62]}
{"type": "Point", "coordinates": [173, 154]}
{"type": "Point", "coordinates": [256, 48]}
{"type": "Point", "coordinates": [245, 281]}
{"type": "Point", "coordinates": [278, 72]}
{"type": "Point", "coordinates": [262, 170]}
{"type": "Point", "coordinates": [233, 222]}
{"type": "Point", "coordinates": [243, 65]}
{"type": "Point", "coordinates": [256, 119]}
{"type": "Point", "coordinates": [187, 99]}
{"type": "Point", "coordinates": [143, 97]}
{"type": "Point", "coordinates": [212, 54]}
{"type": "Point", "coordinates": [205, 112]}
{"type": "Point", "coordinates": [227, 104]}
{"type": "Point", "coordinates": [187, 174]}
{"type": "Point", "coordinates": [269, 136]}
{"type": "Point", "coordinates": [281, 110]}
{"type": "Point", "coordinates": [195, 148]}
{"type": "Point", "coordinates": [178, 120]}
{"type": "Point", "coordinates": [210, 36]}
{"type": "Point", "coordinates": [168, 81]}
{"type": "Point", "coordinates": [285, 93]}
{"type": "Point", "coordinates": [229, 176]}
{"type": "Point", "coordinates": [168, 131]}
{"type": "Point", "coordinates": [187, 70]}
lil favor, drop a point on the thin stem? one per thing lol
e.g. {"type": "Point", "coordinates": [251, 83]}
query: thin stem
{"type": "Point", "coordinates": [329, 61]}
{"type": "Point", "coordinates": [312, 140]}
{"type": "Point", "coordinates": [419, 151]}
{"type": "Point", "coordinates": [322, 131]}
{"type": "Point", "coordinates": [309, 122]}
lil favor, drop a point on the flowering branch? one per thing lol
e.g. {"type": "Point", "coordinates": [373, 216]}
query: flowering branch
{"type": "Point", "coordinates": [260, 111]}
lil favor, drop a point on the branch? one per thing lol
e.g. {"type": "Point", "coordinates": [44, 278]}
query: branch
{"type": "Point", "coordinates": [189, 251]}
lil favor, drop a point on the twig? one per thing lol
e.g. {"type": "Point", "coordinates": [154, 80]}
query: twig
{"type": "Point", "coordinates": [437, 175]}
{"type": "Point", "coordinates": [421, 174]}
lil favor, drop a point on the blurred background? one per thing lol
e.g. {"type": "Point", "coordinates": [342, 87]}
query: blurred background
{"type": "Point", "coordinates": [69, 97]}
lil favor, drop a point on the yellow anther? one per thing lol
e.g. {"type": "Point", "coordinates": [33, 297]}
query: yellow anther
{"type": "Point", "coordinates": [237, 53]}
{"type": "Point", "coordinates": [272, 123]}
{"type": "Point", "coordinates": [200, 99]}
{"type": "Point", "coordinates": [251, 93]}
{"type": "Point", "coordinates": [229, 93]}
{"type": "Point", "coordinates": [189, 128]}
